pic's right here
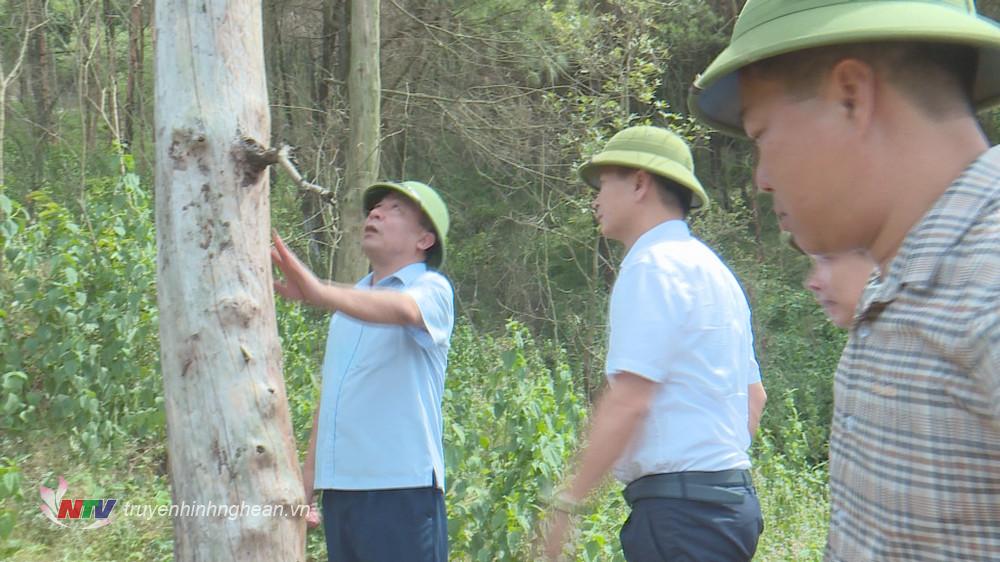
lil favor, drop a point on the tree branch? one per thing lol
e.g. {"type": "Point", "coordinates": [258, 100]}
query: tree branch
{"type": "Point", "coordinates": [7, 79]}
{"type": "Point", "coordinates": [261, 158]}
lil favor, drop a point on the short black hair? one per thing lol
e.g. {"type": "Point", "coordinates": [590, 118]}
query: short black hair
{"type": "Point", "coordinates": [428, 225]}
{"type": "Point", "coordinates": [673, 194]}
{"type": "Point", "coordinates": [938, 77]}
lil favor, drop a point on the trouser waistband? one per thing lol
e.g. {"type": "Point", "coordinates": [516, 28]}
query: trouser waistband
{"type": "Point", "coordinates": [715, 487]}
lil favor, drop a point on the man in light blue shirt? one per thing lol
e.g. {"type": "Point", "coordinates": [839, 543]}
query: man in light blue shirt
{"type": "Point", "coordinates": [376, 448]}
{"type": "Point", "coordinates": [684, 395]}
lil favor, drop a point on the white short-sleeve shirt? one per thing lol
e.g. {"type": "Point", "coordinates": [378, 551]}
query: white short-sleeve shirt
{"type": "Point", "coordinates": [680, 318]}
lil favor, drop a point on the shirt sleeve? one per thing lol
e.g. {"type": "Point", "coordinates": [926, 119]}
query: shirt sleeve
{"type": "Point", "coordinates": [647, 317]}
{"type": "Point", "coordinates": [753, 367]}
{"type": "Point", "coordinates": [436, 300]}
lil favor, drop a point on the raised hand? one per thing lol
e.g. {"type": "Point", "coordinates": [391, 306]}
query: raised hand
{"type": "Point", "coordinates": [300, 283]}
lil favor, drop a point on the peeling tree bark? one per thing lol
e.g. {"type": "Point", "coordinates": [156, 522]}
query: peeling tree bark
{"type": "Point", "coordinates": [229, 434]}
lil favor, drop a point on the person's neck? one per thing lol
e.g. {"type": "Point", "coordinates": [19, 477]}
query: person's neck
{"type": "Point", "coordinates": [647, 221]}
{"type": "Point", "coordinates": [384, 268]}
{"type": "Point", "coordinates": [925, 158]}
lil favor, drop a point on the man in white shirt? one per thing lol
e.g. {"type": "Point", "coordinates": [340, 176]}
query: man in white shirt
{"type": "Point", "coordinates": [684, 394]}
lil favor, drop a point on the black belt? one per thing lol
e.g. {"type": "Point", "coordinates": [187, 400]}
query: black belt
{"type": "Point", "coordinates": [700, 486]}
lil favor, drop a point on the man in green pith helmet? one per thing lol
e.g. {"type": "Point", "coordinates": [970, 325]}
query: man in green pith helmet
{"type": "Point", "coordinates": [684, 395]}
{"type": "Point", "coordinates": [862, 113]}
{"type": "Point", "coordinates": [376, 449]}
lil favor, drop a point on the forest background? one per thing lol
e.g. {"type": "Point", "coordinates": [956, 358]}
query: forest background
{"type": "Point", "coordinates": [495, 103]}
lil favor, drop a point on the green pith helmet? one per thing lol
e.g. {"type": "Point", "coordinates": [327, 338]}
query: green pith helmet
{"type": "Point", "coordinates": [656, 150]}
{"type": "Point", "coordinates": [767, 28]}
{"type": "Point", "coordinates": [429, 202]}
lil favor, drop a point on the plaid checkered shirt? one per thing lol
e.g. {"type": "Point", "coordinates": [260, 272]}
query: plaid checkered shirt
{"type": "Point", "coordinates": [915, 440]}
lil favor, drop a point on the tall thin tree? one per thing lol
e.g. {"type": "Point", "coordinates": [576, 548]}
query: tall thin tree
{"type": "Point", "coordinates": [133, 87]}
{"type": "Point", "coordinates": [364, 87]}
{"type": "Point", "coordinates": [6, 78]}
{"type": "Point", "coordinates": [229, 433]}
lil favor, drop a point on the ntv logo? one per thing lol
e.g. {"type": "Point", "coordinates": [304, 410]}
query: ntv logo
{"type": "Point", "coordinates": [77, 509]}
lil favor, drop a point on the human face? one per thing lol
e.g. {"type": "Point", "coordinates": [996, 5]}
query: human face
{"type": "Point", "coordinates": [392, 231]}
{"type": "Point", "coordinates": [810, 159]}
{"type": "Point", "coordinates": [611, 204]}
{"type": "Point", "coordinates": [837, 281]}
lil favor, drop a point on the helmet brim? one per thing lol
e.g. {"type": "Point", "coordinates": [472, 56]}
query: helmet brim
{"type": "Point", "coordinates": [659, 165]}
{"type": "Point", "coordinates": [715, 95]}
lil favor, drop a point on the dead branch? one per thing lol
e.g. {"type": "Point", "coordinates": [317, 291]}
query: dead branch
{"type": "Point", "coordinates": [262, 157]}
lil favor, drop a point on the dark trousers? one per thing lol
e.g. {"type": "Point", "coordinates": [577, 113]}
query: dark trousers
{"type": "Point", "coordinates": [385, 525]}
{"type": "Point", "coordinates": [689, 530]}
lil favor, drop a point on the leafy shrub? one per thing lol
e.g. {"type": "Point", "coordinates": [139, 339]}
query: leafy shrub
{"type": "Point", "coordinates": [792, 489]}
{"type": "Point", "coordinates": [78, 317]}
{"type": "Point", "coordinates": [511, 420]}
{"type": "Point", "coordinates": [10, 492]}
{"type": "Point", "coordinates": [79, 358]}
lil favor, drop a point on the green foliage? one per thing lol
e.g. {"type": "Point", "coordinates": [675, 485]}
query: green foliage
{"type": "Point", "coordinates": [509, 96]}
{"type": "Point", "coordinates": [619, 62]}
{"type": "Point", "coordinates": [792, 489]}
{"type": "Point", "coordinates": [79, 356]}
{"type": "Point", "coordinates": [132, 474]}
{"type": "Point", "coordinates": [303, 340]}
{"type": "Point", "coordinates": [512, 422]}
{"type": "Point", "coordinates": [511, 419]}
{"type": "Point", "coordinates": [78, 319]}
{"type": "Point", "coordinates": [11, 484]}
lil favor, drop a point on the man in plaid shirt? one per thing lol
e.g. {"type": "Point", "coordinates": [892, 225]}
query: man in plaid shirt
{"type": "Point", "coordinates": [862, 114]}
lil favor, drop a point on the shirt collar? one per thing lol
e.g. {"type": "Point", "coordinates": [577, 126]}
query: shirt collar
{"type": "Point", "coordinates": [941, 229]}
{"type": "Point", "coordinates": [674, 229]}
{"type": "Point", "coordinates": [405, 275]}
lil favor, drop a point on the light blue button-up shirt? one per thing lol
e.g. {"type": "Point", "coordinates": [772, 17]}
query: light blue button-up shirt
{"type": "Point", "coordinates": [380, 408]}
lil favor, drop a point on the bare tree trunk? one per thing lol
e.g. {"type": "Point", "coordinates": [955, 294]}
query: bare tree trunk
{"type": "Point", "coordinates": [134, 82]}
{"type": "Point", "coordinates": [328, 43]}
{"type": "Point", "coordinates": [37, 70]}
{"type": "Point", "coordinates": [38, 61]}
{"type": "Point", "coordinates": [108, 103]}
{"type": "Point", "coordinates": [333, 58]}
{"type": "Point", "coordinates": [364, 85]}
{"type": "Point", "coordinates": [280, 70]}
{"type": "Point", "coordinates": [3, 121]}
{"type": "Point", "coordinates": [330, 95]}
{"type": "Point", "coordinates": [5, 80]}
{"type": "Point", "coordinates": [228, 429]}
{"type": "Point", "coordinates": [84, 53]}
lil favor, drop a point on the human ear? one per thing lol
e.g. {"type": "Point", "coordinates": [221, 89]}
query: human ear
{"type": "Point", "coordinates": [643, 183]}
{"type": "Point", "coordinates": [427, 239]}
{"type": "Point", "coordinates": [852, 85]}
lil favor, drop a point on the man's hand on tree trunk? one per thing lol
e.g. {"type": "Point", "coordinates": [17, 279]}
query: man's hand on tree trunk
{"type": "Point", "coordinates": [300, 283]}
